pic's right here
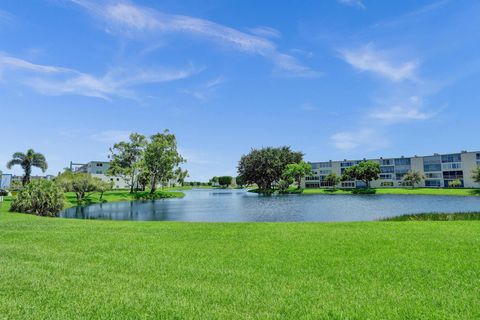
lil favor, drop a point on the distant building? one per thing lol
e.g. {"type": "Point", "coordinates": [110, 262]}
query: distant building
{"type": "Point", "coordinates": [439, 170]}
{"type": "Point", "coordinates": [20, 178]}
{"type": "Point", "coordinates": [5, 180]}
{"type": "Point", "coordinates": [99, 169]}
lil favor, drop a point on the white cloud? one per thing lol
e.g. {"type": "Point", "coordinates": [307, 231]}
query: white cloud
{"type": "Point", "coordinates": [54, 80]}
{"type": "Point", "coordinates": [111, 136]}
{"type": "Point", "coordinates": [264, 31]}
{"type": "Point", "coordinates": [126, 19]}
{"type": "Point", "coordinates": [5, 17]}
{"type": "Point", "coordinates": [367, 139]}
{"type": "Point", "coordinates": [309, 107]}
{"type": "Point", "coordinates": [410, 110]}
{"type": "Point", "coordinates": [8, 62]}
{"type": "Point", "coordinates": [378, 62]}
{"type": "Point", "coordinates": [206, 90]}
{"type": "Point", "coordinates": [353, 3]}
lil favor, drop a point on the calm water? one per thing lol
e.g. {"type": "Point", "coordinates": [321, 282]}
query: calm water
{"type": "Point", "coordinates": [239, 206]}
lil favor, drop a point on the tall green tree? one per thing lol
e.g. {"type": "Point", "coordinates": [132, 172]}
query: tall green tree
{"type": "Point", "coordinates": [240, 181]}
{"type": "Point", "coordinates": [365, 171]}
{"type": "Point", "coordinates": [332, 180]}
{"type": "Point", "coordinates": [265, 166]}
{"type": "Point", "coordinates": [297, 171]}
{"type": "Point", "coordinates": [162, 158]}
{"type": "Point", "coordinates": [476, 174]}
{"type": "Point", "coordinates": [27, 161]}
{"type": "Point", "coordinates": [225, 181]}
{"type": "Point", "coordinates": [181, 175]}
{"type": "Point", "coordinates": [213, 181]}
{"type": "Point", "coordinates": [413, 177]}
{"type": "Point", "coordinates": [126, 157]}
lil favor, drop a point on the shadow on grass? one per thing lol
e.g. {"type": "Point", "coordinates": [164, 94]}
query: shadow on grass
{"type": "Point", "coordinates": [364, 191]}
{"type": "Point", "coordinates": [475, 192]}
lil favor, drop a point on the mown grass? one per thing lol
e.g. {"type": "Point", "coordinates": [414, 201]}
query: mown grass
{"type": "Point", "coordinates": [405, 191]}
{"type": "Point", "coordinates": [436, 216]}
{"type": "Point", "coordinates": [52, 268]}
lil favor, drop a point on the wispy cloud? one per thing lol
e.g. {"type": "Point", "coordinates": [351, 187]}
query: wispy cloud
{"type": "Point", "coordinates": [205, 90]}
{"type": "Point", "coordinates": [367, 58]}
{"type": "Point", "coordinates": [264, 31]}
{"type": "Point", "coordinates": [55, 80]}
{"type": "Point", "coordinates": [128, 20]}
{"type": "Point", "coordinates": [353, 3]}
{"type": "Point", "coordinates": [367, 139]}
{"type": "Point", "coordinates": [409, 110]}
{"type": "Point", "coordinates": [110, 136]}
{"type": "Point", "coordinates": [5, 17]}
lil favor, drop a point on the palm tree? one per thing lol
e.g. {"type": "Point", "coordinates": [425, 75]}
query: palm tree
{"type": "Point", "coordinates": [27, 161]}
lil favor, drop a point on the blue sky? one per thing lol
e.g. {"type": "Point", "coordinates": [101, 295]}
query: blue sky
{"type": "Point", "coordinates": [334, 79]}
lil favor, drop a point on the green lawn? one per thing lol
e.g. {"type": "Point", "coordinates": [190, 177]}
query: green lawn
{"type": "Point", "coordinates": [416, 191]}
{"type": "Point", "coordinates": [52, 268]}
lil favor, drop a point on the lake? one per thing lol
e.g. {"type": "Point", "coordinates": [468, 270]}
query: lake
{"type": "Point", "coordinates": [212, 205]}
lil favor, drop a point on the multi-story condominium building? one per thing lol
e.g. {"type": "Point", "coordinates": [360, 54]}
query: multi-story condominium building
{"type": "Point", "coordinates": [439, 170]}
{"type": "Point", "coordinates": [99, 169]}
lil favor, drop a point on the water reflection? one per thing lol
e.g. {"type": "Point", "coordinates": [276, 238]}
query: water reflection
{"type": "Point", "coordinates": [241, 206]}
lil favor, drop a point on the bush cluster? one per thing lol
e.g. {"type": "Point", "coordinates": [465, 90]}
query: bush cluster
{"type": "Point", "coordinates": [39, 197]}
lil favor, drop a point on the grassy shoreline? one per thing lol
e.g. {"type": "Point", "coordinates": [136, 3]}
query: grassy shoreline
{"type": "Point", "coordinates": [69, 269]}
{"type": "Point", "coordinates": [63, 268]}
{"type": "Point", "coordinates": [399, 191]}
{"type": "Point", "coordinates": [124, 195]}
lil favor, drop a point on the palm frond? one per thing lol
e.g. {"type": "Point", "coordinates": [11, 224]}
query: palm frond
{"type": "Point", "coordinates": [39, 161]}
{"type": "Point", "coordinates": [14, 162]}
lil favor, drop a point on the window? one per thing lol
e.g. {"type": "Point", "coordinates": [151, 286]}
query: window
{"type": "Point", "coordinates": [432, 167]}
{"type": "Point", "coordinates": [99, 164]}
{"type": "Point", "coordinates": [452, 175]}
{"type": "Point", "coordinates": [433, 183]}
{"type": "Point", "coordinates": [312, 185]}
{"type": "Point", "coordinates": [324, 171]}
{"type": "Point", "coordinates": [447, 182]}
{"type": "Point", "coordinates": [325, 184]}
{"type": "Point", "coordinates": [436, 175]}
{"type": "Point", "coordinates": [399, 176]}
{"type": "Point", "coordinates": [454, 165]}
{"type": "Point", "coordinates": [432, 160]}
{"type": "Point", "coordinates": [402, 162]}
{"type": "Point", "coordinates": [348, 184]}
{"type": "Point", "coordinates": [402, 170]}
{"type": "Point", "coordinates": [478, 156]}
{"type": "Point", "coordinates": [478, 163]}
{"type": "Point", "coordinates": [386, 162]}
{"type": "Point", "coordinates": [451, 158]}
{"type": "Point", "coordinates": [325, 165]}
{"type": "Point", "coordinates": [385, 176]}
{"type": "Point", "coordinates": [386, 169]}
{"type": "Point", "coordinates": [347, 164]}
{"type": "Point", "coordinates": [311, 178]}
{"type": "Point", "coordinates": [98, 172]}
{"type": "Point", "coordinates": [386, 184]}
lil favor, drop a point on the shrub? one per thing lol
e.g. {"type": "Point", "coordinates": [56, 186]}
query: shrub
{"type": "Point", "coordinates": [39, 197]}
{"type": "Point", "coordinates": [283, 186]}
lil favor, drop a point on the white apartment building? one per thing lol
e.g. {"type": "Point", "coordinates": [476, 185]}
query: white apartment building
{"type": "Point", "coordinates": [438, 169]}
{"type": "Point", "coordinates": [99, 169]}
